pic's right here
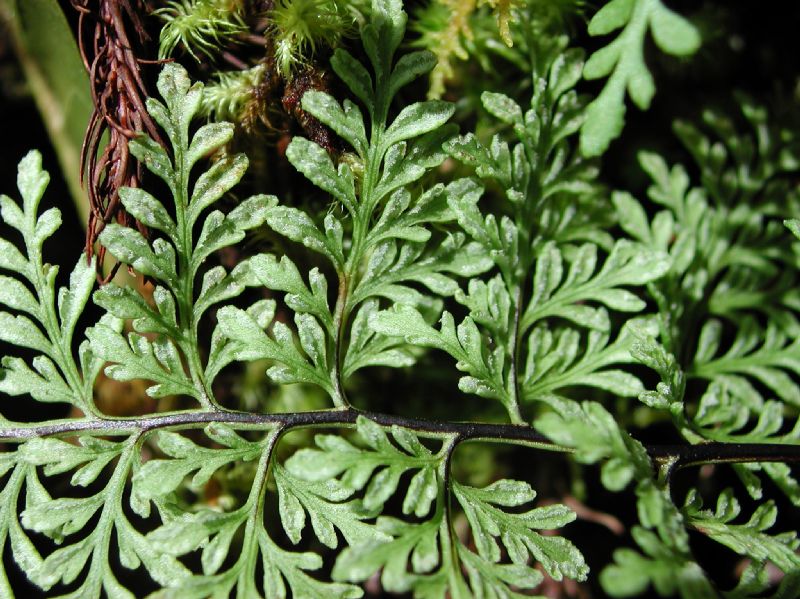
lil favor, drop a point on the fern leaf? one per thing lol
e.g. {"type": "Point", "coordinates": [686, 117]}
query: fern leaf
{"type": "Point", "coordinates": [623, 62]}
{"type": "Point", "coordinates": [553, 361]}
{"type": "Point", "coordinates": [627, 264]}
{"type": "Point", "coordinates": [767, 364]}
{"type": "Point", "coordinates": [46, 318]}
{"type": "Point", "coordinates": [462, 342]}
{"type": "Point", "coordinates": [376, 468]}
{"type": "Point", "coordinates": [749, 538]}
{"type": "Point", "coordinates": [660, 567]}
{"type": "Point", "coordinates": [483, 508]}
{"type": "Point", "coordinates": [175, 259]}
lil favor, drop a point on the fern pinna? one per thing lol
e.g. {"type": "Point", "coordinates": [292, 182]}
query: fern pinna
{"type": "Point", "coordinates": [572, 315]}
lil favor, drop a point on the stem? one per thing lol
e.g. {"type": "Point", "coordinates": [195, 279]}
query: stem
{"type": "Point", "coordinates": [255, 503]}
{"type": "Point", "coordinates": [8, 497]}
{"type": "Point", "coordinates": [349, 273]}
{"type": "Point", "coordinates": [185, 285]}
{"type": "Point", "coordinates": [63, 356]}
{"type": "Point", "coordinates": [339, 324]}
{"type": "Point", "coordinates": [105, 526]}
{"type": "Point", "coordinates": [448, 540]}
{"type": "Point", "coordinates": [686, 455]}
{"type": "Point", "coordinates": [514, 347]}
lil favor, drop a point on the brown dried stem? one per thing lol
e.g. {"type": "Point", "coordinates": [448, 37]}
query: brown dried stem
{"type": "Point", "coordinates": [118, 92]}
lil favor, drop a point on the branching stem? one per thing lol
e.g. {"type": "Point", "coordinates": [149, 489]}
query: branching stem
{"type": "Point", "coordinates": [684, 455]}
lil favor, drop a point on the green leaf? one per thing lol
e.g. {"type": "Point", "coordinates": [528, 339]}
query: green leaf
{"type": "Point", "coordinates": [794, 226]}
{"type": "Point", "coordinates": [346, 120]}
{"type": "Point", "coordinates": [59, 456]}
{"type": "Point", "coordinates": [72, 300]}
{"type": "Point", "coordinates": [353, 73]}
{"type": "Point", "coordinates": [283, 276]}
{"type": "Point", "coordinates": [126, 303]}
{"type": "Point", "coordinates": [558, 556]}
{"type": "Point", "coordinates": [401, 220]}
{"type": "Point", "coordinates": [409, 67]}
{"type": "Point", "coordinates": [44, 383]}
{"type": "Point", "coordinates": [375, 467]}
{"type": "Point", "coordinates": [324, 501]}
{"type": "Point", "coordinates": [191, 530]}
{"type": "Point", "coordinates": [215, 182]}
{"type": "Point", "coordinates": [147, 210]}
{"type": "Point", "coordinates": [182, 100]}
{"type": "Point", "coordinates": [368, 348]}
{"type": "Point", "coordinates": [155, 158]}
{"type": "Point", "coordinates": [564, 296]}
{"type": "Point", "coordinates": [633, 219]}
{"type": "Point", "coordinates": [55, 376]}
{"type": "Point", "coordinates": [10, 257]}
{"type": "Point", "coordinates": [138, 358]}
{"type": "Point", "coordinates": [489, 305]}
{"type": "Point", "coordinates": [245, 332]}
{"type": "Point", "coordinates": [487, 578]}
{"type": "Point", "coordinates": [747, 539]}
{"type": "Point", "coordinates": [281, 565]}
{"type": "Point", "coordinates": [208, 139]}
{"type": "Point", "coordinates": [23, 550]}
{"type": "Point", "coordinates": [417, 119]}
{"type": "Point", "coordinates": [58, 518]}
{"type": "Point", "coordinates": [382, 36]}
{"type": "Point", "coordinates": [405, 163]}
{"type": "Point", "coordinates": [16, 296]}
{"type": "Point", "coordinates": [502, 107]}
{"type": "Point", "coordinates": [134, 549]}
{"type": "Point", "coordinates": [623, 60]}
{"type": "Point", "coordinates": [767, 363]}
{"type": "Point", "coordinates": [314, 162]}
{"type": "Point", "coordinates": [389, 271]}
{"type": "Point", "coordinates": [219, 285]}
{"type": "Point", "coordinates": [132, 248]}
{"type": "Point", "coordinates": [557, 358]}
{"type": "Point", "coordinates": [594, 434]}
{"type": "Point", "coordinates": [463, 343]}
{"type": "Point", "coordinates": [157, 477]}
{"type": "Point", "coordinates": [174, 362]}
{"type": "Point", "coordinates": [22, 332]}
{"type": "Point", "coordinates": [500, 241]}
{"type": "Point", "coordinates": [298, 226]}
{"type": "Point", "coordinates": [673, 33]}
{"type": "Point", "coordinates": [668, 572]}
{"type": "Point", "coordinates": [414, 543]}
{"type": "Point", "coordinates": [220, 231]}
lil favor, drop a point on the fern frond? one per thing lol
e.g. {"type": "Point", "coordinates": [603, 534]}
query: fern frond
{"type": "Point", "coordinates": [175, 259]}
{"type": "Point", "coordinates": [45, 320]}
{"type": "Point", "coordinates": [622, 61]}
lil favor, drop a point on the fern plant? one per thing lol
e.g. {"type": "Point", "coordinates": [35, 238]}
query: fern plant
{"type": "Point", "coordinates": [571, 320]}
